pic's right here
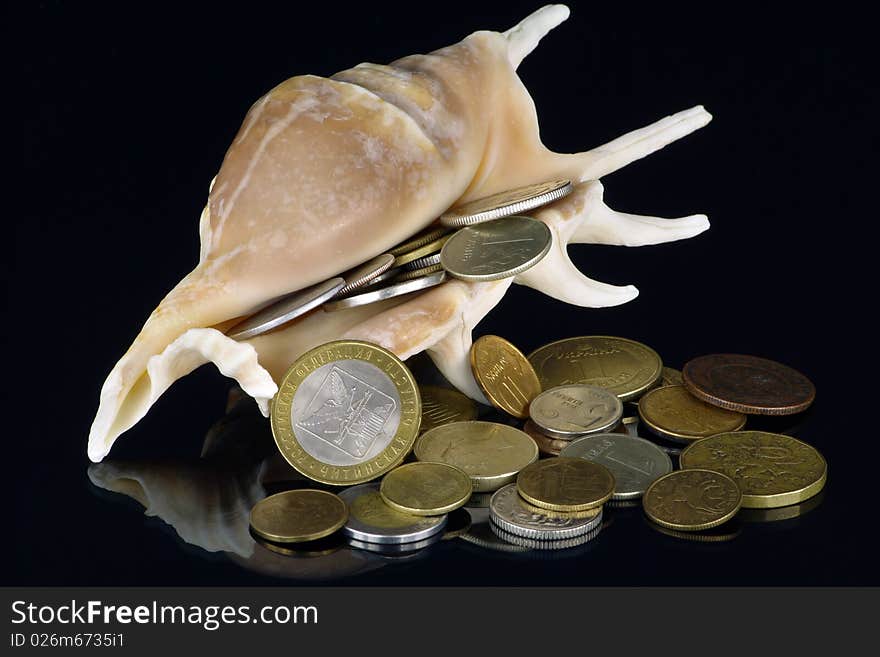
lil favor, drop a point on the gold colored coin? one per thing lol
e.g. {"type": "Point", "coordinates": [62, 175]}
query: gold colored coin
{"type": "Point", "coordinates": [692, 500]}
{"type": "Point", "coordinates": [433, 246]}
{"type": "Point", "coordinates": [504, 375]}
{"type": "Point", "coordinates": [296, 516]}
{"type": "Point", "coordinates": [546, 444]}
{"type": "Point", "coordinates": [417, 273]}
{"type": "Point", "coordinates": [625, 367]}
{"type": "Point", "coordinates": [443, 405]}
{"type": "Point", "coordinates": [673, 412]}
{"type": "Point", "coordinates": [671, 377]}
{"type": "Point", "coordinates": [426, 489]}
{"type": "Point", "coordinates": [346, 412]}
{"type": "Point", "coordinates": [565, 484]}
{"type": "Point", "coordinates": [426, 236]}
{"type": "Point", "coordinates": [771, 469]}
{"type": "Point", "coordinates": [491, 454]}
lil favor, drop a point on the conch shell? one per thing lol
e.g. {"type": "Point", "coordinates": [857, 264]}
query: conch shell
{"type": "Point", "coordinates": [327, 173]}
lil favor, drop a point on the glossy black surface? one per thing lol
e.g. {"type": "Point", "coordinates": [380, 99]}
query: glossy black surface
{"type": "Point", "coordinates": [126, 117]}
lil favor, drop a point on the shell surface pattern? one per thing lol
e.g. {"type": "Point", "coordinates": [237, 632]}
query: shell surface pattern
{"type": "Point", "coordinates": [326, 173]}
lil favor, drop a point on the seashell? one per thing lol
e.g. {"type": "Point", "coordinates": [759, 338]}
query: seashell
{"type": "Point", "coordinates": [326, 173]}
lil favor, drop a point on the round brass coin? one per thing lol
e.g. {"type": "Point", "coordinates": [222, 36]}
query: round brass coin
{"type": "Point", "coordinates": [491, 454]}
{"type": "Point", "coordinates": [565, 484]}
{"type": "Point", "coordinates": [771, 469]}
{"type": "Point", "coordinates": [692, 500]}
{"type": "Point", "coordinates": [296, 516]}
{"type": "Point", "coordinates": [625, 367]}
{"type": "Point", "coordinates": [444, 405]}
{"type": "Point", "coordinates": [673, 412]}
{"type": "Point", "coordinates": [420, 239]}
{"type": "Point", "coordinates": [671, 377]}
{"type": "Point", "coordinates": [748, 384]}
{"type": "Point", "coordinates": [546, 444]}
{"type": "Point", "coordinates": [426, 489]}
{"type": "Point", "coordinates": [427, 249]}
{"type": "Point", "coordinates": [346, 412]}
{"type": "Point", "coordinates": [504, 375]}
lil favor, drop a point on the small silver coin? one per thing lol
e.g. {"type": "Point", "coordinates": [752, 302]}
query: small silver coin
{"type": "Point", "coordinates": [424, 261]}
{"type": "Point", "coordinates": [393, 527]}
{"type": "Point", "coordinates": [543, 544]}
{"type": "Point", "coordinates": [634, 462]}
{"type": "Point", "coordinates": [507, 203]}
{"type": "Point", "coordinates": [393, 289]}
{"type": "Point", "coordinates": [571, 411]}
{"type": "Point", "coordinates": [496, 249]}
{"type": "Point", "coordinates": [395, 548]}
{"type": "Point", "coordinates": [365, 274]}
{"type": "Point", "coordinates": [286, 309]}
{"type": "Point", "coordinates": [509, 512]}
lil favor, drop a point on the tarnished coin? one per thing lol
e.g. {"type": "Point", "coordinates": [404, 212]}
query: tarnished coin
{"type": "Point", "coordinates": [392, 289]}
{"type": "Point", "coordinates": [425, 237]}
{"type": "Point", "coordinates": [674, 413]}
{"type": "Point", "coordinates": [346, 412]}
{"type": "Point", "coordinates": [496, 249]}
{"type": "Point", "coordinates": [422, 251]}
{"type": "Point", "coordinates": [625, 367]}
{"type": "Point", "coordinates": [570, 411]}
{"type": "Point", "coordinates": [286, 309]}
{"type": "Point", "coordinates": [444, 405]}
{"type": "Point", "coordinates": [671, 377]}
{"type": "Point", "coordinates": [426, 489]}
{"type": "Point", "coordinates": [748, 384]}
{"type": "Point", "coordinates": [504, 204]}
{"type": "Point", "coordinates": [546, 444]}
{"type": "Point", "coordinates": [565, 484]}
{"type": "Point", "coordinates": [504, 375]}
{"type": "Point", "coordinates": [491, 454]}
{"type": "Point", "coordinates": [296, 516]}
{"type": "Point", "coordinates": [423, 262]}
{"type": "Point", "coordinates": [366, 273]}
{"type": "Point", "coordinates": [458, 523]}
{"type": "Point", "coordinates": [409, 275]}
{"type": "Point", "coordinates": [544, 544]}
{"type": "Point", "coordinates": [371, 520]}
{"type": "Point", "coordinates": [692, 500]}
{"type": "Point", "coordinates": [771, 469]}
{"type": "Point", "coordinates": [513, 514]}
{"type": "Point", "coordinates": [635, 462]}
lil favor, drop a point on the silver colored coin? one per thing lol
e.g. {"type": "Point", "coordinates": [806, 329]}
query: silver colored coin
{"type": "Point", "coordinates": [506, 203]}
{"type": "Point", "coordinates": [496, 249]}
{"type": "Point", "coordinates": [365, 274]}
{"type": "Point", "coordinates": [354, 387]}
{"type": "Point", "coordinates": [570, 411]}
{"type": "Point", "coordinates": [394, 289]}
{"type": "Point", "coordinates": [417, 273]}
{"type": "Point", "coordinates": [424, 261]}
{"type": "Point", "coordinates": [393, 527]}
{"type": "Point", "coordinates": [391, 549]}
{"type": "Point", "coordinates": [387, 275]}
{"type": "Point", "coordinates": [634, 462]}
{"type": "Point", "coordinates": [286, 309]}
{"type": "Point", "coordinates": [509, 512]}
{"type": "Point", "coordinates": [543, 544]}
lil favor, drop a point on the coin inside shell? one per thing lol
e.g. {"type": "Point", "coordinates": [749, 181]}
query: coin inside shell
{"type": "Point", "coordinates": [296, 516]}
{"type": "Point", "coordinates": [673, 412]}
{"type": "Point", "coordinates": [574, 410]}
{"type": "Point", "coordinates": [509, 202]}
{"type": "Point", "coordinates": [692, 500]}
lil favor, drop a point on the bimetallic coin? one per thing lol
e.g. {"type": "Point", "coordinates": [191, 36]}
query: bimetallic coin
{"type": "Point", "coordinates": [512, 514]}
{"type": "Point", "coordinates": [504, 375]}
{"type": "Point", "coordinates": [634, 462]}
{"type": "Point", "coordinates": [625, 367]}
{"type": "Point", "coordinates": [496, 249]}
{"type": "Point", "coordinates": [504, 204]}
{"type": "Point", "coordinates": [670, 377]}
{"type": "Point", "coordinates": [692, 500]}
{"type": "Point", "coordinates": [672, 412]}
{"type": "Point", "coordinates": [426, 236]}
{"type": "Point", "coordinates": [771, 469]}
{"type": "Point", "coordinates": [425, 261]}
{"type": "Point", "coordinates": [286, 309]}
{"type": "Point", "coordinates": [426, 489]}
{"type": "Point", "coordinates": [543, 544]}
{"type": "Point", "coordinates": [565, 484]}
{"type": "Point", "coordinates": [546, 444]}
{"type": "Point", "coordinates": [421, 252]}
{"type": "Point", "coordinates": [491, 454]}
{"type": "Point", "coordinates": [570, 411]}
{"type": "Point", "coordinates": [366, 273]}
{"type": "Point", "coordinates": [444, 405]}
{"type": "Point", "coordinates": [408, 275]}
{"type": "Point", "coordinates": [748, 384]}
{"type": "Point", "coordinates": [371, 520]}
{"type": "Point", "coordinates": [296, 516]}
{"type": "Point", "coordinates": [374, 294]}
{"type": "Point", "coordinates": [346, 412]}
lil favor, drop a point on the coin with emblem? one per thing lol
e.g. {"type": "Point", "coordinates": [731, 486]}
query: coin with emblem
{"type": "Point", "coordinates": [491, 454]}
{"type": "Point", "coordinates": [569, 411]}
{"type": "Point", "coordinates": [504, 375]}
{"type": "Point", "coordinates": [748, 384]}
{"type": "Point", "coordinates": [692, 500]}
{"type": "Point", "coordinates": [346, 412]}
{"type": "Point", "coordinates": [426, 489]}
{"type": "Point", "coordinates": [513, 514]}
{"type": "Point", "coordinates": [625, 367]}
{"type": "Point", "coordinates": [771, 469]}
{"type": "Point", "coordinates": [503, 204]}
{"type": "Point", "coordinates": [445, 405]}
{"type": "Point", "coordinates": [296, 516]}
{"type": "Point", "coordinates": [371, 520]}
{"type": "Point", "coordinates": [673, 412]}
{"type": "Point", "coordinates": [565, 483]}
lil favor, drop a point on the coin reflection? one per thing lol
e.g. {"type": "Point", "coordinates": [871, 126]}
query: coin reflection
{"type": "Point", "coordinates": [782, 513]}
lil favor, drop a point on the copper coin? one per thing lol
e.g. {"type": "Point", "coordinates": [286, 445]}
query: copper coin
{"type": "Point", "coordinates": [748, 384]}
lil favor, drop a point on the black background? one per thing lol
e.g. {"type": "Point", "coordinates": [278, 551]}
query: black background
{"type": "Point", "coordinates": [122, 115]}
